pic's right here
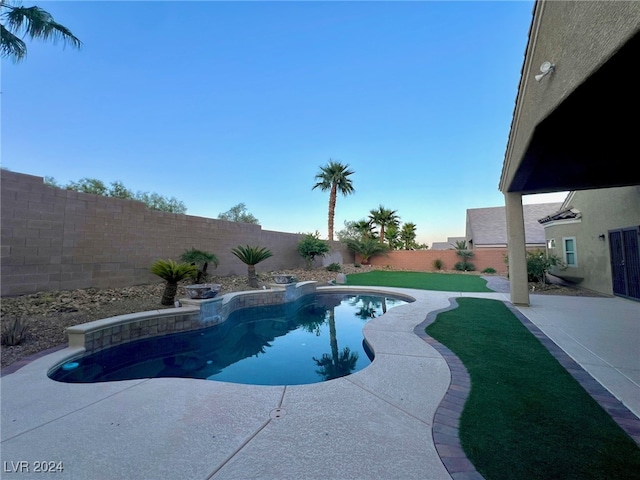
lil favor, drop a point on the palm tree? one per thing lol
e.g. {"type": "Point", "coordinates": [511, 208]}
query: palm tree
{"type": "Point", "coordinates": [465, 255]}
{"type": "Point", "coordinates": [367, 248]}
{"type": "Point", "coordinates": [338, 364]}
{"type": "Point", "coordinates": [31, 22]}
{"type": "Point", "coordinates": [392, 235]}
{"type": "Point", "coordinates": [251, 256]}
{"type": "Point", "coordinates": [201, 259]}
{"type": "Point", "coordinates": [364, 229]}
{"type": "Point", "coordinates": [172, 272]}
{"type": "Point", "coordinates": [383, 217]}
{"type": "Point", "coordinates": [334, 177]}
{"type": "Point", "coordinates": [408, 235]}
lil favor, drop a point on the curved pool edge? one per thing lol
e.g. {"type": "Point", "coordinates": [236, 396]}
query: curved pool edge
{"type": "Point", "coordinates": [395, 398]}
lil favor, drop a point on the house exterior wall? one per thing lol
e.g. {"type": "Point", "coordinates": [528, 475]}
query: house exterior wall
{"type": "Point", "coordinates": [56, 239]}
{"type": "Point", "coordinates": [602, 210]}
{"type": "Point", "coordinates": [578, 37]}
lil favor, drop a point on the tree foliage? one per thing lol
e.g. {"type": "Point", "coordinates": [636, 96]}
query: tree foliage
{"type": "Point", "coordinates": [538, 264]}
{"type": "Point", "coordinates": [334, 177]}
{"type": "Point", "coordinates": [408, 235]}
{"type": "Point", "coordinates": [152, 200]}
{"type": "Point", "coordinates": [311, 246]}
{"type": "Point", "coordinates": [238, 213]}
{"type": "Point", "coordinates": [461, 250]}
{"type": "Point", "coordinates": [201, 259]}
{"type": "Point", "coordinates": [367, 248]}
{"type": "Point", "coordinates": [383, 217]}
{"type": "Point", "coordinates": [18, 22]}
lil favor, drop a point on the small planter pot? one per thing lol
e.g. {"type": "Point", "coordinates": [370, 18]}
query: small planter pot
{"type": "Point", "coordinates": [203, 290]}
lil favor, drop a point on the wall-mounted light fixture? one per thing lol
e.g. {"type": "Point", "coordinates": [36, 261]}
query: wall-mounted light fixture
{"type": "Point", "coordinates": [601, 236]}
{"type": "Point", "coordinates": [546, 68]}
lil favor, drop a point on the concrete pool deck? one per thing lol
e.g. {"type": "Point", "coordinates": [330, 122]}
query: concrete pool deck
{"type": "Point", "coordinates": [378, 423]}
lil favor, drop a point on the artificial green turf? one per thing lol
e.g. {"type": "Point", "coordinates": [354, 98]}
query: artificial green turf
{"type": "Point", "coordinates": [526, 417]}
{"type": "Point", "coordinates": [444, 282]}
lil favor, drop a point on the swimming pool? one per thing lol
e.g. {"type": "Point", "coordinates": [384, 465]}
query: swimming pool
{"type": "Point", "coordinates": [316, 338]}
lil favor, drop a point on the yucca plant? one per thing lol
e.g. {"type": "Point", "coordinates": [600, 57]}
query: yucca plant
{"type": "Point", "coordinates": [251, 256]}
{"type": "Point", "coordinates": [201, 259]}
{"type": "Point", "coordinates": [172, 272]}
{"type": "Point", "coordinates": [14, 331]}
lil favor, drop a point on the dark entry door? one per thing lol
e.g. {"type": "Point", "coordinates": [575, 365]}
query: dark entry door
{"type": "Point", "coordinates": [625, 262]}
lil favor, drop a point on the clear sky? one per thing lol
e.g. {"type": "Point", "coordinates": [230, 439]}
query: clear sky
{"type": "Point", "coordinates": [217, 103]}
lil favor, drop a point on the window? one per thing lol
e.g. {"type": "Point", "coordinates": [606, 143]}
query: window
{"type": "Point", "coordinates": [570, 257]}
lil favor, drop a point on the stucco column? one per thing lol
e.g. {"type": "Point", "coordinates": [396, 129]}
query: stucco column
{"type": "Point", "coordinates": [517, 249]}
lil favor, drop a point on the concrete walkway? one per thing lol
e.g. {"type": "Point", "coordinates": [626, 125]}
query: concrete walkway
{"type": "Point", "coordinates": [374, 424]}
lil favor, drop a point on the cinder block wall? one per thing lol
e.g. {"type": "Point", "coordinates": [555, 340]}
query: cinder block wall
{"type": "Point", "coordinates": [56, 239]}
{"type": "Point", "coordinates": [422, 260]}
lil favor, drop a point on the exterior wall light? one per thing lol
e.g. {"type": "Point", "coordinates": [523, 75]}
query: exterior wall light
{"type": "Point", "coordinates": [546, 68]}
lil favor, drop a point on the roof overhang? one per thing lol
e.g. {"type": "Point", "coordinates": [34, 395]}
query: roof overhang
{"type": "Point", "coordinates": [591, 139]}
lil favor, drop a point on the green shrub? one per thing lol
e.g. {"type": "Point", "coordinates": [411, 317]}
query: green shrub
{"type": "Point", "coordinates": [14, 331]}
{"type": "Point", "coordinates": [438, 264]}
{"type": "Point", "coordinates": [464, 266]}
{"type": "Point", "coordinates": [538, 264]}
{"type": "Point", "coordinates": [334, 267]}
{"type": "Point", "coordinates": [489, 270]}
{"type": "Point", "coordinates": [311, 247]}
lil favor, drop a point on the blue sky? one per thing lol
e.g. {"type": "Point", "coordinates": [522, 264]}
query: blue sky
{"type": "Point", "coordinates": [217, 103]}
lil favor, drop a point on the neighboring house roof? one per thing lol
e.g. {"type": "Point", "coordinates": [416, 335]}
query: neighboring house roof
{"type": "Point", "coordinates": [448, 245]}
{"type": "Point", "coordinates": [488, 226]}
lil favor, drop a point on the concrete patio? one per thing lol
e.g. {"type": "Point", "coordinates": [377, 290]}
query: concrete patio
{"type": "Point", "coordinates": [378, 423]}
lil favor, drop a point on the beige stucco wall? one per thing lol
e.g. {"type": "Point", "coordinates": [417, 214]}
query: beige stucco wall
{"type": "Point", "coordinates": [602, 210]}
{"type": "Point", "coordinates": [578, 37]}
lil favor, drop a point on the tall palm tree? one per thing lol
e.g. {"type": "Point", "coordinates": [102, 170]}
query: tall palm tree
{"type": "Point", "coordinates": [32, 22]}
{"type": "Point", "coordinates": [251, 256]}
{"type": "Point", "coordinates": [339, 363]}
{"type": "Point", "coordinates": [408, 235]}
{"type": "Point", "coordinates": [383, 217]}
{"type": "Point", "coordinates": [334, 177]}
{"type": "Point", "coordinates": [392, 236]}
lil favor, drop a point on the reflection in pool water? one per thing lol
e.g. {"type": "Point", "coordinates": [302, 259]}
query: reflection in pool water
{"type": "Point", "coordinates": [316, 338]}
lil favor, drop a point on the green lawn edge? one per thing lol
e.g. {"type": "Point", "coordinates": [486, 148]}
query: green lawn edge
{"type": "Point", "coordinates": [526, 417]}
{"type": "Point", "coordinates": [443, 282]}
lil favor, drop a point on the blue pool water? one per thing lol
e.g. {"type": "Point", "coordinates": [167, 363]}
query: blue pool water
{"type": "Point", "coordinates": [316, 338]}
